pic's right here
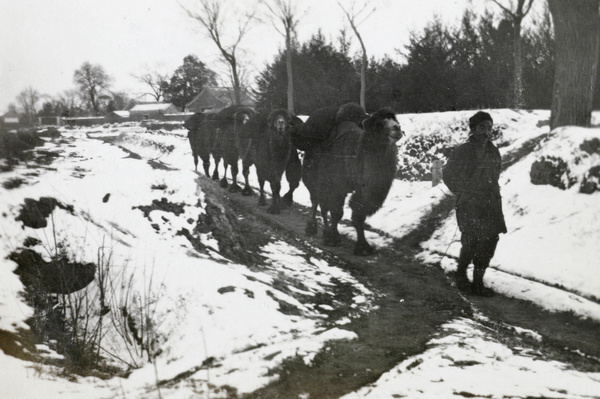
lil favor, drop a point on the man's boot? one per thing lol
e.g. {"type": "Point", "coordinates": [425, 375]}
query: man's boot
{"type": "Point", "coordinates": [460, 278]}
{"type": "Point", "coordinates": [477, 288]}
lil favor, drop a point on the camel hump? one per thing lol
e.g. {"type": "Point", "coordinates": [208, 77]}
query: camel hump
{"type": "Point", "coordinates": [295, 120]}
{"type": "Point", "coordinates": [310, 134]}
{"type": "Point", "coordinates": [194, 121]}
{"type": "Point", "coordinates": [243, 113]}
{"type": "Point", "coordinates": [351, 112]}
{"type": "Point", "coordinates": [256, 126]}
{"type": "Point", "coordinates": [233, 112]}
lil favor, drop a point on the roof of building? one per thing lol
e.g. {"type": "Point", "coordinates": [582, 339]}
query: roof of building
{"type": "Point", "coordinates": [151, 107]}
{"type": "Point", "coordinates": [12, 113]}
{"type": "Point", "coordinates": [217, 98]}
{"type": "Point", "coordinates": [122, 114]}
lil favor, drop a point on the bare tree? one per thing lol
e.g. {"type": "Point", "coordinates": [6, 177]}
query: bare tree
{"type": "Point", "coordinates": [357, 16]}
{"type": "Point", "coordinates": [285, 13]}
{"type": "Point", "coordinates": [577, 37]}
{"type": "Point", "coordinates": [155, 82]}
{"type": "Point", "coordinates": [28, 100]}
{"type": "Point", "coordinates": [212, 17]}
{"type": "Point", "coordinates": [71, 101]}
{"type": "Point", "coordinates": [93, 82]}
{"type": "Point", "coordinates": [516, 14]}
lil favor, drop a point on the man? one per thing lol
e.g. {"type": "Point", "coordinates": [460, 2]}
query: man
{"type": "Point", "coordinates": [472, 174]}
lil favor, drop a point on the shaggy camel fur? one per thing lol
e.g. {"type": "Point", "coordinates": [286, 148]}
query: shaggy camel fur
{"type": "Point", "coordinates": [361, 161]}
{"type": "Point", "coordinates": [229, 121]}
{"type": "Point", "coordinates": [309, 137]}
{"type": "Point", "coordinates": [273, 154]}
{"type": "Point", "coordinates": [202, 134]}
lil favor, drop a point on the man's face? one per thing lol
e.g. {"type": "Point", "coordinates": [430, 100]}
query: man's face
{"type": "Point", "coordinates": [483, 131]}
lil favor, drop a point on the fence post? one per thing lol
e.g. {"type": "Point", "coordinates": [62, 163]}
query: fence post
{"type": "Point", "coordinates": [436, 172]}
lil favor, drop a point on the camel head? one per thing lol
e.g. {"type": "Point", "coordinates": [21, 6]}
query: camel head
{"type": "Point", "coordinates": [279, 121]}
{"type": "Point", "coordinates": [384, 123]}
{"type": "Point", "coordinates": [243, 116]}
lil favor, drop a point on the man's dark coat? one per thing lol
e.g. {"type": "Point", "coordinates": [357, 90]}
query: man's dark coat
{"type": "Point", "coordinates": [475, 183]}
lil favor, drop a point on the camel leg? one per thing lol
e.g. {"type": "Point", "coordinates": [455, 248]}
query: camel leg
{"type": "Point", "coordinates": [362, 247]}
{"type": "Point", "coordinates": [246, 172]}
{"type": "Point", "coordinates": [275, 207]}
{"type": "Point", "coordinates": [311, 225]}
{"type": "Point", "coordinates": [195, 162]}
{"type": "Point", "coordinates": [261, 197]}
{"type": "Point", "coordinates": [325, 217]}
{"type": "Point", "coordinates": [235, 188]}
{"type": "Point", "coordinates": [215, 175]}
{"type": "Point", "coordinates": [223, 181]}
{"type": "Point", "coordinates": [359, 215]}
{"type": "Point", "coordinates": [293, 174]}
{"type": "Point", "coordinates": [333, 236]}
{"type": "Point", "coordinates": [206, 164]}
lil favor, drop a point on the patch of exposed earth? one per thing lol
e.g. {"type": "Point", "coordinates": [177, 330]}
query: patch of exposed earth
{"type": "Point", "coordinates": [416, 300]}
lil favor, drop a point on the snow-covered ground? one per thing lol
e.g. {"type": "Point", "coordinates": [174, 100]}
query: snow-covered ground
{"type": "Point", "coordinates": [207, 310]}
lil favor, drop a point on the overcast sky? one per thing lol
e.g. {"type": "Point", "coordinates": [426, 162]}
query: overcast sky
{"type": "Point", "coordinates": [45, 41]}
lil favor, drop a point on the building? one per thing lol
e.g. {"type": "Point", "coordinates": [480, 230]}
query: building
{"type": "Point", "coordinates": [10, 120]}
{"type": "Point", "coordinates": [49, 120]}
{"type": "Point", "coordinates": [214, 99]}
{"type": "Point", "coordinates": [83, 120]}
{"type": "Point", "coordinates": [117, 116]}
{"type": "Point", "coordinates": [142, 112]}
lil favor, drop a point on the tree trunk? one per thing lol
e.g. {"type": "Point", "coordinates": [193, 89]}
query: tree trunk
{"type": "Point", "coordinates": [290, 80]}
{"type": "Point", "coordinates": [363, 67]}
{"type": "Point", "coordinates": [577, 37]}
{"type": "Point", "coordinates": [237, 90]}
{"type": "Point", "coordinates": [518, 67]}
{"type": "Point", "coordinates": [93, 101]}
{"type": "Point", "coordinates": [363, 78]}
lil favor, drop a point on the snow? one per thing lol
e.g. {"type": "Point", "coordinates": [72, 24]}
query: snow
{"type": "Point", "coordinates": [220, 321]}
{"type": "Point", "coordinates": [151, 107]}
{"type": "Point", "coordinates": [466, 358]}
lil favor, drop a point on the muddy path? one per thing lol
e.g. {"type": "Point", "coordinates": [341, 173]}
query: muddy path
{"type": "Point", "coordinates": [416, 300]}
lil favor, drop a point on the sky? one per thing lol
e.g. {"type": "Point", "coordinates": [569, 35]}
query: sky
{"type": "Point", "coordinates": [44, 42]}
{"type": "Point", "coordinates": [548, 256]}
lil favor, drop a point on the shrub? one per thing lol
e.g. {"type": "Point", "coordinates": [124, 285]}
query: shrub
{"type": "Point", "coordinates": [591, 181]}
{"type": "Point", "coordinates": [553, 171]}
{"type": "Point", "coordinates": [417, 153]}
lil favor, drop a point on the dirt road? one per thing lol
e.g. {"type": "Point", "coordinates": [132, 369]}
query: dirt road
{"type": "Point", "coordinates": [416, 299]}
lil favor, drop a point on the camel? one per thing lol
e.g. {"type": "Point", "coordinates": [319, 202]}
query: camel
{"type": "Point", "coordinates": [357, 160]}
{"type": "Point", "coordinates": [202, 131]}
{"type": "Point", "coordinates": [273, 153]}
{"type": "Point", "coordinates": [245, 139]}
{"type": "Point", "coordinates": [229, 121]}
{"type": "Point", "coordinates": [309, 136]}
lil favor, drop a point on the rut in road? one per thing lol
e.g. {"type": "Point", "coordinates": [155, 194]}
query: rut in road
{"type": "Point", "coordinates": [417, 299]}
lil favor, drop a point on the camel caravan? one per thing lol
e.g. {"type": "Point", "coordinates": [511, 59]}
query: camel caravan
{"type": "Point", "coordinates": [346, 151]}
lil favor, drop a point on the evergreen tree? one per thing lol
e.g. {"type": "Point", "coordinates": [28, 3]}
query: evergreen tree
{"type": "Point", "coordinates": [188, 80]}
{"type": "Point", "coordinates": [494, 65]}
{"type": "Point", "coordinates": [468, 67]}
{"type": "Point", "coordinates": [466, 58]}
{"type": "Point", "coordinates": [538, 64]}
{"type": "Point", "coordinates": [429, 74]}
{"type": "Point", "coordinates": [385, 85]}
{"type": "Point", "coordinates": [323, 76]}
